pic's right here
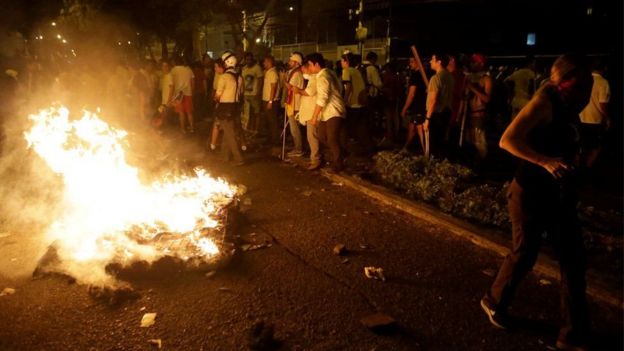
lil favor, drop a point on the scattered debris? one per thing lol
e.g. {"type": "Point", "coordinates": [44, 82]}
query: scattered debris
{"type": "Point", "coordinates": [345, 261]}
{"type": "Point", "coordinates": [545, 282]}
{"type": "Point", "coordinates": [379, 323]}
{"type": "Point", "coordinates": [225, 289]}
{"type": "Point", "coordinates": [307, 193]}
{"type": "Point", "coordinates": [113, 295]}
{"type": "Point", "coordinates": [363, 246]}
{"type": "Point", "coordinates": [337, 184]}
{"type": "Point", "coordinates": [245, 247]}
{"type": "Point", "coordinates": [344, 214]}
{"type": "Point", "coordinates": [374, 273]}
{"type": "Point", "coordinates": [148, 320]}
{"type": "Point", "coordinates": [13, 259]}
{"type": "Point", "coordinates": [261, 337]}
{"type": "Point", "coordinates": [340, 250]}
{"type": "Point", "coordinates": [210, 274]}
{"type": "Point", "coordinates": [7, 291]}
{"type": "Point", "coordinates": [489, 272]}
{"type": "Point", "coordinates": [155, 342]}
{"type": "Point", "coordinates": [142, 309]}
{"type": "Point", "coordinates": [549, 347]}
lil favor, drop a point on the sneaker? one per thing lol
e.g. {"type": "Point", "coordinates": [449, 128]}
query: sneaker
{"type": "Point", "coordinates": [313, 166]}
{"type": "Point", "coordinates": [567, 346]}
{"type": "Point", "coordinates": [295, 153]}
{"type": "Point", "coordinates": [498, 319]}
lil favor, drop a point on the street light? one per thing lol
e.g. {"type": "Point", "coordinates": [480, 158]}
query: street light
{"type": "Point", "coordinates": [291, 8]}
{"type": "Point", "coordinates": [53, 24]}
{"type": "Point", "coordinates": [59, 36]}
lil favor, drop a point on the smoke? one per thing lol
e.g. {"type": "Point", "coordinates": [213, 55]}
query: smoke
{"type": "Point", "coordinates": [92, 72]}
{"type": "Point", "coordinates": [28, 199]}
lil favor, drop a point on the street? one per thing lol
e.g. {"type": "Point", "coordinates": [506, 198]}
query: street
{"type": "Point", "coordinates": [314, 298]}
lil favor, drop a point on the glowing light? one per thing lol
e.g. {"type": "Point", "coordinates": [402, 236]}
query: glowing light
{"type": "Point", "coordinates": [107, 213]}
{"type": "Point", "coordinates": [291, 8]}
{"type": "Point", "coordinates": [129, 42]}
{"type": "Point", "coordinates": [64, 41]}
{"type": "Point", "coordinates": [53, 24]}
{"type": "Point", "coordinates": [257, 40]}
{"type": "Point", "coordinates": [59, 36]}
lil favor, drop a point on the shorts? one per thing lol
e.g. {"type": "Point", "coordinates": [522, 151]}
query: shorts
{"type": "Point", "coordinates": [185, 106]}
{"type": "Point", "coordinates": [416, 118]}
{"type": "Point", "coordinates": [592, 135]}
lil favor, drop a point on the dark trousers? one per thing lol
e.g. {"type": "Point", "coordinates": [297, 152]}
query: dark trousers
{"type": "Point", "coordinates": [271, 122]}
{"type": "Point", "coordinates": [437, 130]}
{"type": "Point", "coordinates": [532, 212]}
{"type": "Point", "coordinates": [359, 127]}
{"type": "Point", "coordinates": [329, 134]}
{"type": "Point", "coordinates": [230, 145]}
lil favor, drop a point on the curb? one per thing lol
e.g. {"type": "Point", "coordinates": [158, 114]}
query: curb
{"type": "Point", "coordinates": [464, 230]}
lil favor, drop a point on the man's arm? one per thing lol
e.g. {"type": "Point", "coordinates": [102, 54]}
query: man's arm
{"type": "Point", "coordinates": [411, 93]}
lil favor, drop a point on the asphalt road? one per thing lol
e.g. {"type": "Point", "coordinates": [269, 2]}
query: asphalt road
{"type": "Point", "coordinates": [314, 300]}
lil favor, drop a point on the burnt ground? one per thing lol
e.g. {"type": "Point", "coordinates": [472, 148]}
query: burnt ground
{"type": "Point", "coordinates": [314, 300]}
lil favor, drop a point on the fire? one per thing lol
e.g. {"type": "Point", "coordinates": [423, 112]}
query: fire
{"type": "Point", "coordinates": [108, 214]}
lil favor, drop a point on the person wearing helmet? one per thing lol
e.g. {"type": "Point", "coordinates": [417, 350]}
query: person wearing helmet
{"type": "Point", "coordinates": [227, 98]}
{"type": "Point", "coordinates": [294, 78]}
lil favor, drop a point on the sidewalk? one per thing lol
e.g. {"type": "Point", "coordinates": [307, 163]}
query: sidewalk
{"type": "Point", "coordinates": [598, 286]}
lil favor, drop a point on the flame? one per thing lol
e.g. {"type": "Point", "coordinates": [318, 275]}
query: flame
{"type": "Point", "coordinates": [108, 214]}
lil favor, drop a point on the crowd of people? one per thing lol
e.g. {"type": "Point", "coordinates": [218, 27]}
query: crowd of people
{"type": "Point", "coordinates": [450, 106]}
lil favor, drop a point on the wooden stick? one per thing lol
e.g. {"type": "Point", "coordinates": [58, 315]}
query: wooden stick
{"type": "Point", "coordinates": [421, 68]}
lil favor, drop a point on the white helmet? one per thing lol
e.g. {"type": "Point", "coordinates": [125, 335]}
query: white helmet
{"type": "Point", "coordinates": [229, 59]}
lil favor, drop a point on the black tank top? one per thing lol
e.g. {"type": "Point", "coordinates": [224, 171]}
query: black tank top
{"type": "Point", "coordinates": [560, 139]}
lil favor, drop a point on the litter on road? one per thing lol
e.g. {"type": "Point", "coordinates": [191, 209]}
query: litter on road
{"type": "Point", "coordinates": [148, 320]}
{"type": "Point", "coordinates": [374, 273]}
{"type": "Point", "coordinates": [7, 291]}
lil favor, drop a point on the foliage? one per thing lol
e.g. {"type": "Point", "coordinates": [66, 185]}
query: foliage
{"type": "Point", "coordinates": [449, 186]}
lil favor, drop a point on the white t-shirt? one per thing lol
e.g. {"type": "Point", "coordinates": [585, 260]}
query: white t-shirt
{"type": "Point", "coordinates": [308, 103]}
{"type": "Point", "coordinates": [601, 93]}
{"type": "Point", "coordinates": [227, 88]}
{"type": "Point", "coordinates": [270, 77]}
{"type": "Point", "coordinates": [251, 76]}
{"type": "Point", "coordinates": [182, 77]}
{"type": "Point", "coordinates": [297, 80]}
{"type": "Point", "coordinates": [215, 81]}
{"type": "Point", "coordinates": [166, 82]}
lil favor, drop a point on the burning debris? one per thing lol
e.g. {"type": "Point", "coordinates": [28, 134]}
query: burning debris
{"type": "Point", "coordinates": [110, 218]}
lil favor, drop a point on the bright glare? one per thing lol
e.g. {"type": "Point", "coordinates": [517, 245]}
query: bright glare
{"type": "Point", "coordinates": [108, 214]}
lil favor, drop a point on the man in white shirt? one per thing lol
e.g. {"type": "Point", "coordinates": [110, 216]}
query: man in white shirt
{"type": "Point", "coordinates": [294, 78]}
{"type": "Point", "coordinates": [330, 111]}
{"type": "Point", "coordinates": [595, 119]}
{"type": "Point", "coordinates": [270, 99]}
{"type": "Point", "coordinates": [183, 78]}
{"type": "Point", "coordinates": [227, 111]}
{"type": "Point", "coordinates": [306, 110]}
{"type": "Point", "coordinates": [166, 83]}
